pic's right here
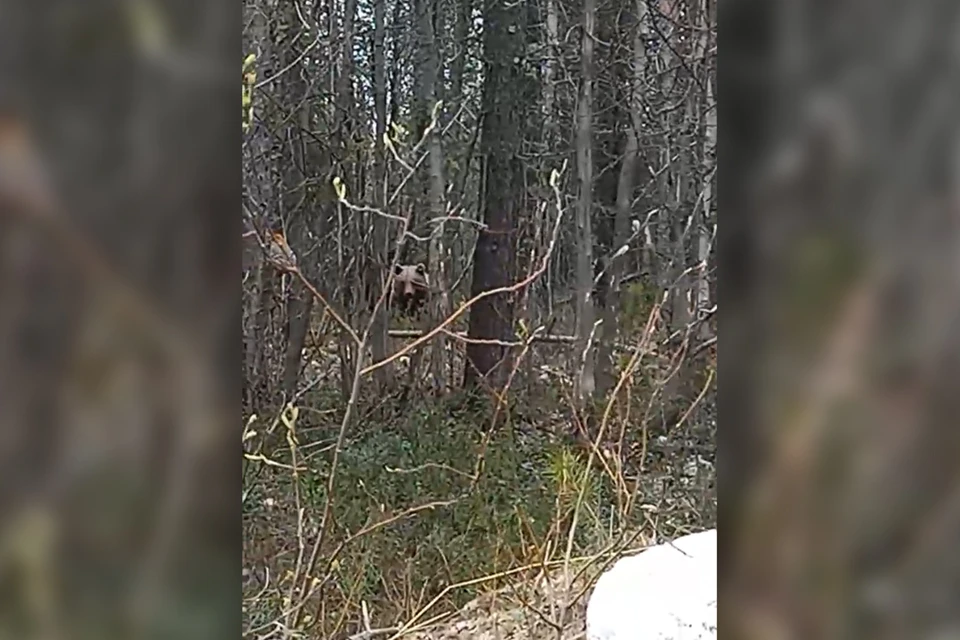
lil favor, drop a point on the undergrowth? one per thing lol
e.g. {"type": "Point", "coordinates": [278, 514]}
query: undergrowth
{"type": "Point", "coordinates": [430, 497]}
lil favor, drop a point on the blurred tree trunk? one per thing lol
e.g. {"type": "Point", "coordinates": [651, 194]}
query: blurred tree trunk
{"type": "Point", "coordinates": [586, 351]}
{"type": "Point", "coordinates": [505, 94]}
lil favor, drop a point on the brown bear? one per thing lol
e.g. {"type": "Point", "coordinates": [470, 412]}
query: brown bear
{"type": "Point", "coordinates": [410, 289]}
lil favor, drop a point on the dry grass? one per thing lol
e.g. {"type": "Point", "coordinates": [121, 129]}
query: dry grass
{"type": "Point", "coordinates": [425, 541]}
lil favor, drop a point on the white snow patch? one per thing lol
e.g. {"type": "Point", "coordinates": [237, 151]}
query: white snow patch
{"type": "Point", "coordinates": [666, 592]}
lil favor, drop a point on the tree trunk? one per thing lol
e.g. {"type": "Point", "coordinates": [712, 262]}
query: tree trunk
{"type": "Point", "coordinates": [680, 220]}
{"type": "Point", "coordinates": [397, 67]}
{"type": "Point", "coordinates": [260, 176]}
{"type": "Point", "coordinates": [708, 225]}
{"type": "Point", "coordinates": [375, 275]}
{"type": "Point", "coordinates": [550, 72]}
{"type": "Point", "coordinates": [300, 302]}
{"type": "Point", "coordinates": [674, 184]}
{"type": "Point", "coordinates": [258, 341]}
{"type": "Point", "coordinates": [430, 67]}
{"type": "Point", "coordinates": [505, 94]}
{"type": "Point", "coordinates": [625, 186]}
{"type": "Point", "coordinates": [350, 356]}
{"type": "Point", "coordinates": [299, 312]}
{"type": "Point", "coordinates": [461, 31]}
{"type": "Point", "coordinates": [585, 306]}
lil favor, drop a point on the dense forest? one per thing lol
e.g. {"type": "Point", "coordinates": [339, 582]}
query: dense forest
{"type": "Point", "coordinates": [479, 303]}
{"type": "Point", "coordinates": [477, 317]}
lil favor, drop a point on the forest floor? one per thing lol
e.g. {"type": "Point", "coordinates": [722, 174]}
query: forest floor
{"type": "Point", "coordinates": [439, 527]}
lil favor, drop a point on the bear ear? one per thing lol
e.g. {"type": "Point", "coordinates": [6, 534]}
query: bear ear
{"type": "Point", "coordinates": [421, 269]}
{"type": "Point", "coordinates": [398, 269]}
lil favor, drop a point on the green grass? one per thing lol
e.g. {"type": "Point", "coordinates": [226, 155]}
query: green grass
{"type": "Point", "coordinates": [531, 482]}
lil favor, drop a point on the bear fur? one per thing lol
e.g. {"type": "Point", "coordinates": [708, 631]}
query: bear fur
{"type": "Point", "coordinates": [410, 289]}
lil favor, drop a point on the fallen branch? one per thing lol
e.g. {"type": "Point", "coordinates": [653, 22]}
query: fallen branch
{"type": "Point", "coordinates": [416, 333]}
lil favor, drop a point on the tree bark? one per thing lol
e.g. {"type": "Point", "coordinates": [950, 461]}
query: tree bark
{"type": "Point", "coordinates": [375, 275]}
{"type": "Point", "coordinates": [550, 72]}
{"type": "Point", "coordinates": [299, 312]}
{"type": "Point", "coordinates": [300, 302]}
{"type": "Point", "coordinates": [430, 61]}
{"type": "Point", "coordinates": [625, 188]}
{"type": "Point", "coordinates": [461, 31]}
{"type": "Point", "coordinates": [350, 356]}
{"type": "Point", "coordinates": [505, 94]}
{"type": "Point", "coordinates": [707, 226]}
{"type": "Point", "coordinates": [260, 175]}
{"type": "Point", "coordinates": [585, 305]}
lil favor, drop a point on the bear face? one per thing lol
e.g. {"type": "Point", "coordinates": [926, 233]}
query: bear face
{"type": "Point", "coordinates": [410, 288]}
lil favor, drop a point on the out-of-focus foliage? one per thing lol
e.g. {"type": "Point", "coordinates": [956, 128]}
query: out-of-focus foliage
{"type": "Point", "coordinates": [119, 200]}
{"type": "Point", "coordinates": [841, 353]}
